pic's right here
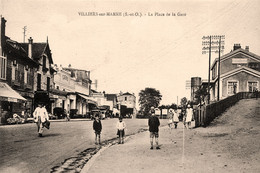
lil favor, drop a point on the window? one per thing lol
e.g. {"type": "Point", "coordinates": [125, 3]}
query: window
{"type": "Point", "coordinates": [48, 84]}
{"type": "Point", "coordinates": [44, 62]}
{"type": "Point", "coordinates": [25, 76]}
{"type": "Point", "coordinates": [39, 77]}
{"type": "Point", "coordinates": [14, 72]}
{"type": "Point", "coordinates": [252, 86]}
{"type": "Point", "coordinates": [125, 98]}
{"type": "Point", "coordinates": [232, 87]}
{"type": "Point", "coordinates": [3, 66]}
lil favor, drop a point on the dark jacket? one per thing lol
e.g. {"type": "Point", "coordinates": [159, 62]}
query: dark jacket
{"type": "Point", "coordinates": [97, 126]}
{"type": "Point", "coordinates": [154, 124]}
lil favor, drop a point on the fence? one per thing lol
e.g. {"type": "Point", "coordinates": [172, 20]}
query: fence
{"type": "Point", "coordinates": [204, 115]}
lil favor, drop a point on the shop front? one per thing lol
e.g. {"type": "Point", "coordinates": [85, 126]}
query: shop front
{"type": "Point", "coordinates": [11, 102]}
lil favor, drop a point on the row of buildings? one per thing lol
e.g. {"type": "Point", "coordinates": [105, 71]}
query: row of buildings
{"type": "Point", "coordinates": [239, 72]}
{"type": "Point", "coordinates": [28, 76]}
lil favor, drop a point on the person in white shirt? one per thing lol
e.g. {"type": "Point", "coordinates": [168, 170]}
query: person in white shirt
{"type": "Point", "coordinates": [40, 115]}
{"type": "Point", "coordinates": [121, 130]}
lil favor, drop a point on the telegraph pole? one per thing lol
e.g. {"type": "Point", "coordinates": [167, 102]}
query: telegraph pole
{"type": "Point", "coordinates": [209, 69]}
{"type": "Point", "coordinates": [24, 31]}
{"type": "Point", "coordinates": [208, 46]}
{"type": "Point", "coordinates": [219, 50]}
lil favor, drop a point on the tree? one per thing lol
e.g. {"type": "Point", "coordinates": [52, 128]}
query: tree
{"type": "Point", "coordinates": [184, 102]}
{"type": "Point", "coordinates": [201, 94]}
{"type": "Point", "coordinates": [149, 97]}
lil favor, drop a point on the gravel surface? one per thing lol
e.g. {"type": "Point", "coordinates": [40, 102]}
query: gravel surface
{"type": "Point", "coordinates": [229, 144]}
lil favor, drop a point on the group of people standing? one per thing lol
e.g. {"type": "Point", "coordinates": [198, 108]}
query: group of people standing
{"type": "Point", "coordinates": [42, 120]}
{"type": "Point", "coordinates": [174, 115]}
{"type": "Point", "coordinates": [120, 126]}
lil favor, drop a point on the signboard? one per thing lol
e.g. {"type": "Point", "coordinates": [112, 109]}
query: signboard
{"type": "Point", "coordinates": [164, 112]}
{"type": "Point", "coordinates": [239, 61]}
{"type": "Point", "coordinates": [157, 111]}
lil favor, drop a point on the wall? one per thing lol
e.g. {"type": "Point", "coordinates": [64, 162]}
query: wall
{"type": "Point", "coordinates": [242, 79]}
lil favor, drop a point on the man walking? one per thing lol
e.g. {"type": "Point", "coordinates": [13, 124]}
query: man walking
{"type": "Point", "coordinates": [40, 115]}
{"type": "Point", "coordinates": [154, 124]}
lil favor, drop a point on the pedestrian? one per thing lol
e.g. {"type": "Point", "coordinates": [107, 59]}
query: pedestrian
{"type": "Point", "coordinates": [175, 118]}
{"type": "Point", "coordinates": [40, 115]}
{"type": "Point", "coordinates": [97, 127]}
{"type": "Point", "coordinates": [189, 114]}
{"type": "Point", "coordinates": [154, 124]}
{"type": "Point", "coordinates": [170, 118]}
{"type": "Point", "coordinates": [120, 130]}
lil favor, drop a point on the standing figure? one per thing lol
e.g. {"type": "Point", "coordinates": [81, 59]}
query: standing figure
{"type": "Point", "coordinates": [154, 124]}
{"type": "Point", "coordinates": [40, 115]}
{"type": "Point", "coordinates": [170, 118]}
{"type": "Point", "coordinates": [189, 113]}
{"type": "Point", "coordinates": [175, 118]}
{"type": "Point", "coordinates": [97, 127]}
{"type": "Point", "coordinates": [120, 130]}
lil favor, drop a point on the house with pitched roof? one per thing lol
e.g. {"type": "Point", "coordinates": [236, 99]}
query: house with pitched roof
{"type": "Point", "coordinates": [239, 72]}
{"type": "Point", "coordinates": [16, 71]}
{"type": "Point", "coordinates": [43, 77]}
{"type": "Point", "coordinates": [127, 103]}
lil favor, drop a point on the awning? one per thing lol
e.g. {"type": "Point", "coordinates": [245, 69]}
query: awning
{"type": "Point", "coordinates": [90, 100]}
{"type": "Point", "coordinates": [8, 94]}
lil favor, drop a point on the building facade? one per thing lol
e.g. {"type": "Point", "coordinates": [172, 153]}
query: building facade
{"type": "Point", "coordinates": [127, 103]}
{"type": "Point", "coordinates": [239, 72]}
{"type": "Point", "coordinates": [44, 75]}
{"type": "Point", "coordinates": [17, 71]}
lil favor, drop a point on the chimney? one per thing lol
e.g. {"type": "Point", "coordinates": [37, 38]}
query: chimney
{"type": "Point", "coordinates": [30, 47]}
{"type": "Point", "coordinates": [2, 34]}
{"type": "Point", "coordinates": [236, 46]}
{"type": "Point", "coordinates": [247, 48]}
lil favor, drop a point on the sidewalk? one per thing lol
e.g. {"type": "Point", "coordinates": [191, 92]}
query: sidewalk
{"type": "Point", "coordinates": [218, 148]}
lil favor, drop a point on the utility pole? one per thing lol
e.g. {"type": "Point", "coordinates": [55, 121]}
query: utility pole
{"type": "Point", "coordinates": [219, 50]}
{"type": "Point", "coordinates": [208, 45]}
{"type": "Point", "coordinates": [24, 31]}
{"type": "Point", "coordinates": [209, 69]}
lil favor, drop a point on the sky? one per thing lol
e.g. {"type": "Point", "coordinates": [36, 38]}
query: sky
{"type": "Point", "coordinates": [130, 53]}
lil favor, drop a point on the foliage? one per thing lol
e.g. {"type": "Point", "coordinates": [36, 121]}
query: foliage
{"type": "Point", "coordinates": [184, 102]}
{"type": "Point", "coordinates": [172, 106]}
{"type": "Point", "coordinates": [201, 94]}
{"type": "Point", "coordinates": [149, 97]}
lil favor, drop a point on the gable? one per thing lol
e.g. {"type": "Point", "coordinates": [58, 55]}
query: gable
{"type": "Point", "coordinates": [246, 70]}
{"type": "Point", "coordinates": [239, 56]}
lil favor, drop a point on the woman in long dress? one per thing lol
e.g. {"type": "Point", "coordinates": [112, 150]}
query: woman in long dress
{"type": "Point", "coordinates": [189, 113]}
{"type": "Point", "coordinates": [170, 116]}
{"type": "Point", "coordinates": [175, 118]}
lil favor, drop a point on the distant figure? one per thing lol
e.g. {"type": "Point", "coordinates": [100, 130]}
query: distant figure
{"type": "Point", "coordinates": [188, 119]}
{"type": "Point", "coordinates": [256, 93]}
{"type": "Point", "coordinates": [97, 127]}
{"type": "Point", "coordinates": [176, 118]}
{"type": "Point", "coordinates": [120, 130]}
{"type": "Point", "coordinates": [170, 118]}
{"type": "Point", "coordinates": [40, 115]}
{"type": "Point", "coordinates": [154, 124]}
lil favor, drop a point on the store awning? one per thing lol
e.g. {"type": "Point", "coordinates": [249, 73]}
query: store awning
{"type": "Point", "coordinates": [8, 94]}
{"type": "Point", "coordinates": [89, 100]}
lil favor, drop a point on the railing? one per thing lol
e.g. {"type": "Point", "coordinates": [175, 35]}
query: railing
{"type": "Point", "coordinates": [204, 115]}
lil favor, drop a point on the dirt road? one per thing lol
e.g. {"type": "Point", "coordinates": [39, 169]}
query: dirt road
{"type": "Point", "coordinates": [229, 144]}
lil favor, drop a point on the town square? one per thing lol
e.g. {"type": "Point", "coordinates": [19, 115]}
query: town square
{"type": "Point", "coordinates": [127, 86]}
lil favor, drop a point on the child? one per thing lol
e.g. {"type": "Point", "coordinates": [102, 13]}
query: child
{"type": "Point", "coordinates": [97, 127]}
{"type": "Point", "coordinates": [175, 118]}
{"type": "Point", "coordinates": [189, 114]}
{"type": "Point", "coordinates": [170, 116]}
{"type": "Point", "coordinates": [120, 130]}
{"type": "Point", "coordinates": [154, 124]}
